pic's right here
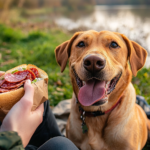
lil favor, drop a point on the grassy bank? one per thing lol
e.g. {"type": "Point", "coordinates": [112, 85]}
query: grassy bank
{"type": "Point", "coordinates": [38, 48]}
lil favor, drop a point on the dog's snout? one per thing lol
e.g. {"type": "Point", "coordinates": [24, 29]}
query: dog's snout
{"type": "Point", "coordinates": [94, 63]}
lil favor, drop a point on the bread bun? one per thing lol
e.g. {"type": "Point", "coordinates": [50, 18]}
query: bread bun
{"type": "Point", "coordinates": [8, 99]}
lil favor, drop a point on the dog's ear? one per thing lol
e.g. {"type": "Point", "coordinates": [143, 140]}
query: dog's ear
{"type": "Point", "coordinates": [137, 55]}
{"type": "Point", "coordinates": [62, 52]}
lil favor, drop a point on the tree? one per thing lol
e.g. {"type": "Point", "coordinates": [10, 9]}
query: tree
{"type": "Point", "coordinates": [5, 10]}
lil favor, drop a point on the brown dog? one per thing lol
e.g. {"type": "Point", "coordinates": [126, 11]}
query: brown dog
{"type": "Point", "coordinates": [104, 115]}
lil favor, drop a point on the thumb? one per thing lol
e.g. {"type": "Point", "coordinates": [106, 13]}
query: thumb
{"type": "Point", "coordinates": [27, 99]}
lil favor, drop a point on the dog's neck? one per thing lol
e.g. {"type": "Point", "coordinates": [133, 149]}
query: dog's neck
{"type": "Point", "coordinates": [96, 113]}
{"type": "Point", "coordinates": [120, 104]}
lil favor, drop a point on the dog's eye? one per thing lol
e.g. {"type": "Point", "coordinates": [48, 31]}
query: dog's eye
{"type": "Point", "coordinates": [113, 45]}
{"type": "Point", "coordinates": [81, 44]}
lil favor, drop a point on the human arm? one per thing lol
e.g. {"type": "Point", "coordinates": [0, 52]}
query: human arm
{"type": "Point", "coordinates": [21, 119]}
{"type": "Point", "coordinates": [10, 140]}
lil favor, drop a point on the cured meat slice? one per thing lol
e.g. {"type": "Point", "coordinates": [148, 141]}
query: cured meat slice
{"type": "Point", "coordinates": [4, 90]}
{"type": "Point", "coordinates": [13, 78]}
{"type": "Point", "coordinates": [26, 72]}
{"type": "Point", "coordinates": [1, 82]}
{"type": "Point", "coordinates": [7, 85]}
{"type": "Point", "coordinates": [29, 77]}
{"type": "Point", "coordinates": [35, 71]}
{"type": "Point", "coordinates": [17, 79]}
{"type": "Point", "coordinates": [21, 72]}
{"type": "Point", "coordinates": [32, 75]}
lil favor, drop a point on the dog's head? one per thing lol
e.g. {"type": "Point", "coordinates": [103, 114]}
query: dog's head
{"type": "Point", "coordinates": [98, 63]}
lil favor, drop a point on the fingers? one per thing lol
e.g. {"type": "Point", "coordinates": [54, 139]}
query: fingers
{"type": "Point", "coordinates": [38, 113]}
{"type": "Point", "coordinates": [1, 73]}
{"type": "Point", "coordinates": [27, 99]}
{"type": "Point", "coordinates": [40, 109]}
{"type": "Point", "coordinates": [28, 88]}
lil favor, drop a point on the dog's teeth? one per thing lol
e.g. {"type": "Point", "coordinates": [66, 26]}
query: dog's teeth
{"type": "Point", "coordinates": [108, 82]}
{"type": "Point", "coordinates": [83, 82]}
{"type": "Point", "coordinates": [106, 86]}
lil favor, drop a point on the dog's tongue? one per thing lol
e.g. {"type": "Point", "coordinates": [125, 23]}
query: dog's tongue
{"type": "Point", "coordinates": [91, 92]}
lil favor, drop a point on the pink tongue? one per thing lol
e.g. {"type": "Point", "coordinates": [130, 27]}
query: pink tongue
{"type": "Point", "coordinates": [91, 92]}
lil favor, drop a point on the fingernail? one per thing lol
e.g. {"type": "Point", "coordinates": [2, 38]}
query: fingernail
{"type": "Point", "coordinates": [28, 81]}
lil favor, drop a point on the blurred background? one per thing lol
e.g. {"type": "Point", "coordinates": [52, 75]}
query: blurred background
{"type": "Point", "coordinates": [30, 31]}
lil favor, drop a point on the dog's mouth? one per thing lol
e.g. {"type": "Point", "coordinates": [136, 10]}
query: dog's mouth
{"type": "Point", "coordinates": [95, 91]}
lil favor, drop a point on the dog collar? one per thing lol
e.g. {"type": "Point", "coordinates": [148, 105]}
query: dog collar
{"type": "Point", "coordinates": [93, 114]}
{"type": "Point", "coordinates": [97, 113]}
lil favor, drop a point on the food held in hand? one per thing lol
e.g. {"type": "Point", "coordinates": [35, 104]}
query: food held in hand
{"type": "Point", "coordinates": [16, 77]}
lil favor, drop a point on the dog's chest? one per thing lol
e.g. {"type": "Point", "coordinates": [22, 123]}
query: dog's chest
{"type": "Point", "coordinates": [97, 143]}
{"type": "Point", "coordinates": [104, 141]}
{"type": "Point", "coordinates": [103, 136]}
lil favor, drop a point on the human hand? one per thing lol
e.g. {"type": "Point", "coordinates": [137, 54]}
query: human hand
{"type": "Point", "coordinates": [21, 119]}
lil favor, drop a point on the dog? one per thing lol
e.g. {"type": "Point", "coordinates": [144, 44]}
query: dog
{"type": "Point", "coordinates": [104, 115]}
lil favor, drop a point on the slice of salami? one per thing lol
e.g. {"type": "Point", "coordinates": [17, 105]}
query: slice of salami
{"type": "Point", "coordinates": [4, 90]}
{"type": "Point", "coordinates": [8, 85]}
{"type": "Point", "coordinates": [26, 72]}
{"type": "Point", "coordinates": [13, 78]}
{"type": "Point", "coordinates": [29, 77]}
{"type": "Point", "coordinates": [35, 71]}
{"type": "Point", "coordinates": [1, 82]}
{"type": "Point", "coordinates": [21, 72]}
{"type": "Point", "coordinates": [32, 75]}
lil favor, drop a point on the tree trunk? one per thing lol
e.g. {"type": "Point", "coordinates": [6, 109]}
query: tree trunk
{"type": "Point", "coordinates": [5, 10]}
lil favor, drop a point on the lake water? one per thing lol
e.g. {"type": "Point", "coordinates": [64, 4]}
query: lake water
{"type": "Point", "coordinates": [133, 21]}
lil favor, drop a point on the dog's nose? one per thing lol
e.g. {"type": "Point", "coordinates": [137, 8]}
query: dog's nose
{"type": "Point", "coordinates": [94, 63]}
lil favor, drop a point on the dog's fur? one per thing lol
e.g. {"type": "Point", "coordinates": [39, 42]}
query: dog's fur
{"type": "Point", "coordinates": [126, 126]}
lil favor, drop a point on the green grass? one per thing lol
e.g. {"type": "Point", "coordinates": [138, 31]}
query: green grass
{"type": "Point", "coordinates": [38, 48]}
{"type": "Point", "coordinates": [142, 83]}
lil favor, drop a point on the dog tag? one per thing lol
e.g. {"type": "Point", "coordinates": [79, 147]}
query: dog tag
{"type": "Point", "coordinates": [84, 128]}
